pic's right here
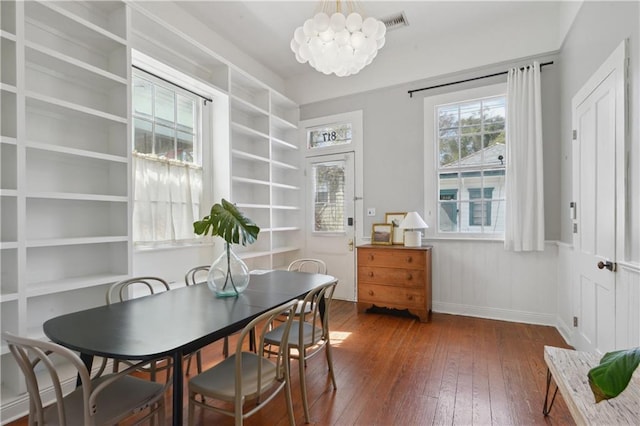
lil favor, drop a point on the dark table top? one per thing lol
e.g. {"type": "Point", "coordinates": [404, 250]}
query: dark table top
{"type": "Point", "coordinates": [183, 319]}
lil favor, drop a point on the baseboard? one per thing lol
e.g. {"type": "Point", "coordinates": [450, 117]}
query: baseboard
{"type": "Point", "coordinates": [495, 313]}
{"type": "Point", "coordinates": [564, 330]}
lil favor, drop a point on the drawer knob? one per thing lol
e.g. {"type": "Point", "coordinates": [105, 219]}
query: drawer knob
{"type": "Point", "coordinates": [409, 276]}
{"type": "Point", "coordinates": [371, 273]}
{"type": "Point", "coordinates": [371, 257]}
{"type": "Point", "coordinates": [370, 292]}
{"type": "Point", "coordinates": [409, 259]}
{"type": "Point", "coordinates": [410, 297]}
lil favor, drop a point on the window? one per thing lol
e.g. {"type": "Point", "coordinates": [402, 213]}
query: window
{"type": "Point", "coordinates": [328, 136]}
{"type": "Point", "coordinates": [167, 160]}
{"type": "Point", "coordinates": [329, 202]}
{"type": "Point", "coordinates": [468, 135]}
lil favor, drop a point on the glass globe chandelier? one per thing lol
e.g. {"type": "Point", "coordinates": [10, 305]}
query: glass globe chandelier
{"type": "Point", "coordinates": [337, 43]}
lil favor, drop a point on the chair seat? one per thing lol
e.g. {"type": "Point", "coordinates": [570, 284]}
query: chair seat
{"type": "Point", "coordinates": [112, 407]}
{"type": "Point", "coordinates": [274, 337]}
{"type": "Point", "coordinates": [219, 381]}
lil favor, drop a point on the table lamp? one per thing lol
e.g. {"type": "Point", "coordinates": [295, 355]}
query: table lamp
{"type": "Point", "coordinates": [413, 223]}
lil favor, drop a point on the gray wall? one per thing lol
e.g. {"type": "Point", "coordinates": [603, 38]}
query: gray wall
{"type": "Point", "coordinates": [597, 30]}
{"type": "Point", "coordinates": [394, 168]}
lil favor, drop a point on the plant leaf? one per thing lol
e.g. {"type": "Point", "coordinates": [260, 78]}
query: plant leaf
{"type": "Point", "coordinates": [612, 375]}
{"type": "Point", "coordinates": [226, 221]}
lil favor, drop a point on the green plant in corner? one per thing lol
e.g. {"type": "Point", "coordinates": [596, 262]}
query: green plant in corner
{"type": "Point", "coordinates": [612, 375]}
{"type": "Point", "coordinates": [229, 223]}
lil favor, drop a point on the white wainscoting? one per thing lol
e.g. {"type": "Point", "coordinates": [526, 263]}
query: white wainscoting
{"type": "Point", "coordinates": [564, 320]}
{"type": "Point", "coordinates": [482, 279]}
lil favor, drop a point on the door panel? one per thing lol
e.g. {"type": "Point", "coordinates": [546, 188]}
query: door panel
{"type": "Point", "coordinates": [330, 205]}
{"type": "Point", "coordinates": [595, 240]}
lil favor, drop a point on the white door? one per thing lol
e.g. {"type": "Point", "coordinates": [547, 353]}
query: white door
{"type": "Point", "coordinates": [596, 146]}
{"type": "Point", "coordinates": [330, 217]}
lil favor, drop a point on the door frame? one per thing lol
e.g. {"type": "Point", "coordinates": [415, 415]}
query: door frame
{"type": "Point", "coordinates": [617, 64]}
{"type": "Point", "coordinates": [355, 117]}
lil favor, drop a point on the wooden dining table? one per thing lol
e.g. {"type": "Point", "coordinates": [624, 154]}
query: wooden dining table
{"type": "Point", "coordinates": [176, 322]}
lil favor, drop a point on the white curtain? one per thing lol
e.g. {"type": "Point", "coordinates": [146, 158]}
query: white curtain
{"type": "Point", "coordinates": [166, 199]}
{"type": "Point", "coordinates": [524, 224]}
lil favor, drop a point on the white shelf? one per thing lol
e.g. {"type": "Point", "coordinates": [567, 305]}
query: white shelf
{"type": "Point", "coordinates": [8, 88]}
{"type": "Point", "coordinates": [56, 242]}
{"type": "Point", "coordinates": [287, 249]}
{"type": "Point", "coordinates": [77, 152]}
{"type": "Point", "coordinates": [50, 287]}
{"type": "Point", "coordinates": [8, 140]}
{"type": "Point", "coordinates": [6, 245]}
{"type": "Point", "coordinates": [247, 107]}
{"type": "Point", "coordinates": [283, 124]}
{"type": "Point", "coordinates": [74, 27]}
{"type": "Point", "coordinates": [78, 197]}
{"type": "Point", "coordinates": [73, 68]}
{"type": "Point", "coordinates": [8, 193]}
{"type": "Point", "coordinates": [8, 297]}
{"type": "Point", "coordinates": [283, 143]}
{"type": "Point", "coordinates": [250, 181]}
{"type": "Point", "coordinates": [253, 206]}
{"type": "Point", "coordinates": [249, 156]}
{"type": "Point", "coordinates": [7, 35]}
{"type": "Point", "coordinates": [285, 207]}
{"type": "Point", "coordinates": [74, 108]}
{"type": "Point", "coordinates": [248, 130]}
{"type": "Point", "coordinates": [253, 254]}
{"type": "Point", "coordinates": [285, 229]}
{"type": "Point", "coordinates": [284, 186]}
{"type": "Point", "coordinates": [282, 165]}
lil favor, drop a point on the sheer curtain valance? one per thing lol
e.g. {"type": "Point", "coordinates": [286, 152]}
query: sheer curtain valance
{"type": "Point", "coordinates": [524, 224]}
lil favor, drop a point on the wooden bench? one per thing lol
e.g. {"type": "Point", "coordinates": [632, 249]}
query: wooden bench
{"type": "Point", "coordinates": [569, 370]}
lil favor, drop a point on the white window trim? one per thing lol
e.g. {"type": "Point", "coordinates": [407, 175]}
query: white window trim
{"type": "Point", "coordinates": [431, 152]}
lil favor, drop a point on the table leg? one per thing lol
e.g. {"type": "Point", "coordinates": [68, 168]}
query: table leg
{"type": "Point", "coordinates": [177, 389]}
{"type": "Point", "coordinates": [88, 362]}
{"type": "Point", "coordinates": [547, 405]}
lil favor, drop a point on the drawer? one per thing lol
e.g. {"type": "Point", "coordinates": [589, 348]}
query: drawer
{"type": "Point", "coordinates": [382, 295]}
{"type": "Point", "coordinates": [392, 276]}
{"type": "Point", "coordinates": [392, 258]}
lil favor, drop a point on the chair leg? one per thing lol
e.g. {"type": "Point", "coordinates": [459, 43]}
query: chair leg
{"type": "Point", "coordinates": [192, 410]}
{"type": "Point", "coordinates": [329, 355]}
{"type": "Point", "coordinates": [186, 371]}
{"type": "Point", "coordinates": [303, 388]}
{"type": "Point", "coordinates": [199, 362]}
{"type": "Point", "coordinates": [287, 392]}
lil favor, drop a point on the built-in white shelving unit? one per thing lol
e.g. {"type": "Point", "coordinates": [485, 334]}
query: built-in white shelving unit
{"type": "Point", "coordinates": [265, 170]}
{"type": "Point", "coordinates": [64, 141]}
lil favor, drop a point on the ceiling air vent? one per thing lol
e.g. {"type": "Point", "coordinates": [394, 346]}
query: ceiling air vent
{"type": "Point", "coordinates": [395, 21]}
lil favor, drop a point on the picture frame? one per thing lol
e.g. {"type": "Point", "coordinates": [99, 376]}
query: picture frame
{"type": "Point", "coordinates": [382, 233]}
{"type": "Point", "coordinates": [395, 219]}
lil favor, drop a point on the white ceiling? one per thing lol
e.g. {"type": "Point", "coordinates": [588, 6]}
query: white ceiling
{"type": "Point", "coordinates": [442, 37]}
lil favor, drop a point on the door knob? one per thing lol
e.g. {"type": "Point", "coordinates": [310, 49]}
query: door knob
{"type": "Point", "coordinates": [608, 265]}
{"type": "Point", "coordinates": [350, 244]}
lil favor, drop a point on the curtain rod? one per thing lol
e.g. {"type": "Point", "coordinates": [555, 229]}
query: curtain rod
{"type": "Point", "coordinates": [177, 85]}
{"type": "Point", "coordinates": [468, 79]}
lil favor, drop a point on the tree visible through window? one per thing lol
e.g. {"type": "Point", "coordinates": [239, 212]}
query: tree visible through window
{"type": "Point", "coordinates": [471, 165]}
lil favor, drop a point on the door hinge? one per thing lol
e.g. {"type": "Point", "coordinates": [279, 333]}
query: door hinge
{"type": "Point", "coordinates": [575, 135]}
{"type": "Point", "coordinates": [575, 321]}
{"type": "Point", "coordinates": [573, 210]}
{"type": "Point", "coordinates": [575, 228]}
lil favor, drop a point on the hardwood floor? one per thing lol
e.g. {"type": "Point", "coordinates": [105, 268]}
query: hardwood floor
{"type": "Point", "coordinates": [394, 370]}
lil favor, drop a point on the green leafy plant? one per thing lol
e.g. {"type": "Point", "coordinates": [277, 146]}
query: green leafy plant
{"type": "Point", "coordinates": [229, 223]}
{"type": "Point", "coordinates": [612, 375]}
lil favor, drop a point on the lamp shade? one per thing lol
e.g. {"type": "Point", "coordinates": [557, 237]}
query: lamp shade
{"type": "Point", "coordinates": [413, 221]}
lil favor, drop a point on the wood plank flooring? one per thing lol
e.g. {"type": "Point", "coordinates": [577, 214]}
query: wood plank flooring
{"type": "Point", "coordinates": [395, 370]}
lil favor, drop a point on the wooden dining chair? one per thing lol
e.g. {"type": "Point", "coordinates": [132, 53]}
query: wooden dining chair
{"type": "Point", "coordinates": [309, 334]}
{"type": "Point", "coordinates": [104, 400]}
{"type": "Point", "coordinates": [246, 376]}
{"type": "Point", "coordinates": [131, 288]}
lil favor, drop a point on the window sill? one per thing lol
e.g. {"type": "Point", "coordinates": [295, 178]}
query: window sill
{"type": "Point", "coordinates": [145, 248]}
{"type": "Point", "coordinates": [488, 239]}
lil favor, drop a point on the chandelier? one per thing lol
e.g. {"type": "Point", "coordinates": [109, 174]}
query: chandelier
{"type": "Point", "coordinates": [338, 43]}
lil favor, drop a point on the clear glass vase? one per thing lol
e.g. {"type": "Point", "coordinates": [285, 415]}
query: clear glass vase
{"type": "Point", "coordinates": [229, 275]}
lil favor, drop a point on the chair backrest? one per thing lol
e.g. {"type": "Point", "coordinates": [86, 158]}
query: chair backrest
{"type": "Point", "coordinates": [30, 354]}
{"type": "Point", "coordinates": [262, 325]}
{"type": "Point", "coordinates": [315, 310]}
{"type": "Point", "coordinates": [120, 291]}
{"type": "Point", "coordinates": [191, 277]}
{"type": "Point", "coordinates": [315, 266]}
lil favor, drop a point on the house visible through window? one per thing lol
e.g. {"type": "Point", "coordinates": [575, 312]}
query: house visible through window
{"type": "Point", "coordinates": [471, 157]}
{"type": "Point", "coordinates": [167, 160]}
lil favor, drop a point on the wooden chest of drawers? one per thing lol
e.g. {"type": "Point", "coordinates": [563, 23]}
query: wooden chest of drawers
{"type": "Point", "coordinates": [395, 277]}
